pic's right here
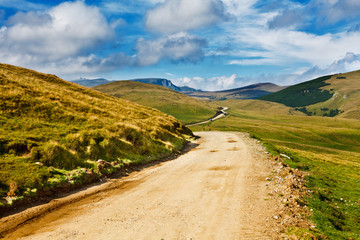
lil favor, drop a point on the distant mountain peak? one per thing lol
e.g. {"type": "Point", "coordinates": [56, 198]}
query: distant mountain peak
{"type": "Point", "coordinates": [165, 83]}
{"type": "Point", "coordinates": [157, 81]}
{"type": "Point", "coordinates": [252, 91]}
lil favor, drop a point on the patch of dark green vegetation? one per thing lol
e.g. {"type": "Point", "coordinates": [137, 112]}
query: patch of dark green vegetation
{"type": "Point", "coordinates": [326, 112]}
{"type": "Point", "coordinates": [332, 113]}
{"type": "Point", "coordinates": [304, 110]}
{"type": "Point", "coordinates": [303, 94]}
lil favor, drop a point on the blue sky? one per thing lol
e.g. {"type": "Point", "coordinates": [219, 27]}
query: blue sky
{"type": "Point", "coordinates": [206, 44]}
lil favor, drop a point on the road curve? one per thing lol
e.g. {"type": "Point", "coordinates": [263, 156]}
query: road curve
{"type": "Point", "coordinates": [221, 115]}
{"type": "Point", "coordinates": [216, 191]}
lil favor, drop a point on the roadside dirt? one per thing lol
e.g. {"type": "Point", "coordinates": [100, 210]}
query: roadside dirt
{"type": "Point", "coordinates": [219, 190]}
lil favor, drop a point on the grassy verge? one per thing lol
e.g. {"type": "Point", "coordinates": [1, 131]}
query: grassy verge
{"type": "Point", "coordinates": [50, 128]}
{"type": "Point", "coordinates": [327, 148]}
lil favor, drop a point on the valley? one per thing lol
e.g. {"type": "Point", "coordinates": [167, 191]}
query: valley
{"type": "Point", "coordinates": [305, 142]}
{"type": "Point", "coordinates": [186, 109]}
{"type": "Point", "coordinates": [180, 119]}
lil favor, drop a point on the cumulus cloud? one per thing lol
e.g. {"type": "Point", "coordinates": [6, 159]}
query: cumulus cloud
{"type": "Point", "coordinates": [213, 83]}
{"type": "Point", "coordinates": [179, 47]}
{"type": "Point", "coordinates": [63, 34]}
{"type": "Point", "coordinates": [184, 15]}
{"type": "Point", "coordinates": [65, 30]}
{"type": "Point", "coordinates": [350, 62]}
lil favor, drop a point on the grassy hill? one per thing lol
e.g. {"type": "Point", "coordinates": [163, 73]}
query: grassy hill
{"type": "Point", "coordinates": [301, 94]}
{"type": "Point", "coordinates": [345, 101]}
{"type": "Point", "coordinates": [247, 92]}
{"type": "Point", "coordinates": [49, 127]}
{"type": "Point", "coordinates": [333, 95]}
{"type": "Point", "coordinates": [184, 108]}
{"type": "Point", "coordinates": [327, 148]}
{"type": "Point", "coordinates": [259, 106]}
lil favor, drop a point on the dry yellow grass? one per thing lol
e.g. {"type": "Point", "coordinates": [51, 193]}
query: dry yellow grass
{"type": "Point", "coordinates": [61, 124]}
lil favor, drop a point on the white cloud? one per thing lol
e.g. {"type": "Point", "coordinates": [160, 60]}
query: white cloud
{"type": "Point", "coordinates": [183, 15]}
{"type": "Point", "coordinates": [69, 30]}
{"type": "Point", "coordinates": [213, 83]}
{"type": "Point", "coordinates": [239, 7]}
{"type": "Point", "coordinates": [177, 47]}
{"type": "Point", "coordinates": [288, 47]}
{"type": "Point", "coordinates": [348, 63]}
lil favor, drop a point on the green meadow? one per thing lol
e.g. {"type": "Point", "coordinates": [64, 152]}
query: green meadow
{"type": "Point", "coordinates": [327, 148]}
{"type": "Point", "coordinates": [184, 108]}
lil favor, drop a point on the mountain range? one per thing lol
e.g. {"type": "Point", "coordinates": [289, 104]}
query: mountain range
{"type": "Point", "coordinates": [248, 92]}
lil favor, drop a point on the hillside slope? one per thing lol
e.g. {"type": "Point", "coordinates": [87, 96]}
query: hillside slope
{"type": "Point", "coordinates": [48, 122]}
{"type": "Point", "coordinates": [333, 95]}
{"type": "Point", "coordinates": [301, 94]}
{"type": "Point", "coordinates": [257, 106]}
{"type": "Point", "coordinates": [248, 92]}
{"type": "Point", "coordinates": [346, 96]}
{"type": "Point", "coordinates": [184, 108]}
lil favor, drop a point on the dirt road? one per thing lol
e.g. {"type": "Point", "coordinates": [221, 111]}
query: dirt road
{"type": "Point", "coordinates": [216, 191]}
{"type": "Point", "coordinates": [221, 114]}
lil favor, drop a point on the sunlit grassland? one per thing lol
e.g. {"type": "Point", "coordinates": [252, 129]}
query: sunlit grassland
{"type": "Point", "coordinates": [46, 123]}
{"type": "Point", "coordinates": [182, 107]}
{"type": "Point", "coordinates": [346, 89]}
{"type": "Point", "coordinates": [328, 148]}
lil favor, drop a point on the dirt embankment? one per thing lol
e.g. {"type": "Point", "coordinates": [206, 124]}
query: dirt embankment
{"type": "Point", "coordinates": [227, 187]}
